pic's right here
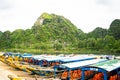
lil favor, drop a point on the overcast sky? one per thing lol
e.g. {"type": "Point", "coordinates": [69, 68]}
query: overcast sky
{"type": "Point", "coordinates": [85, 14]}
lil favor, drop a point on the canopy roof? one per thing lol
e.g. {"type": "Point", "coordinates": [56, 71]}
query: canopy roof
{"type": "Point", "coordinates": [77, 58]}
{"type": "Point", "coordinates": [80, 63]}
{"type": "Point", "coordinates": [66, 59]}
{"type": "Point", "coordinates": [108, 65]}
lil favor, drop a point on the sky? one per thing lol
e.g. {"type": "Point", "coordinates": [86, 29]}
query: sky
{"type": "Point", "coordinates": [85, 14]}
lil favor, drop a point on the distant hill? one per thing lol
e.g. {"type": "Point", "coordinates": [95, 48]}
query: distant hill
{"type": "Point", "coordinates": [114, 29]}
{"type": "Point", "coordinates": [51, 27]}
{"type": "Point", "coordinates": [98, 33]}
{"type": "Point", "coordinates": [49, 31]}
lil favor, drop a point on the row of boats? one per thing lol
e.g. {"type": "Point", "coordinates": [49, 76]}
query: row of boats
{"type": "Point", "coordinates": [64, 67]}
{"type": "Point", "coordinates": [20, 63]}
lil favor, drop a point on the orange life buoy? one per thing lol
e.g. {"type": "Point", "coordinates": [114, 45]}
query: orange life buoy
{"type": "Point", "coordinates": [75, 74]}
{"type": "Point", "coordinates": [64, 75]}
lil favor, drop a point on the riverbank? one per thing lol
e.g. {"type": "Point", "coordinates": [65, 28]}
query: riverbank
{"type": "Point", "coordinates": [6, 70]}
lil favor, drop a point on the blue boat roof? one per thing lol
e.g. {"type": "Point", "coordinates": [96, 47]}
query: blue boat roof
{"type": "Point", "coordinates": [77, 58]}
{"type": "Point", "coordinates": [42, 57]}
{"type": "Point", "coordinates": [27, 54]}
{"type": "Point", "coordinates": [64, 59]}
{"type": "Point", "coordinates": [80, 64]}
{"type": "Point", "coordinates": [37, 56]}
{"type": "Point", "coordinates": [53, 58]}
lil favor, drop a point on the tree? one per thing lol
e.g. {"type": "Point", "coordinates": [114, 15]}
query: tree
{"type": "Point", "coordinates": [18, 37]}
{"type": "Point", "coordinates": [109, 41]}
{"type": "Point", "coordinates": [6, 39]}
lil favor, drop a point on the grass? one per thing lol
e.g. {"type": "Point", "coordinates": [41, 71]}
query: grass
{"type": "Point", "coordinates": [70, 51]}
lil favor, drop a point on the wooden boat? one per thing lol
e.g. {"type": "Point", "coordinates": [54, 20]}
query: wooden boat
{"type": "Point", "coordinates": [22, 67]}
{"type": "Point", "coordinates": [42, 71]}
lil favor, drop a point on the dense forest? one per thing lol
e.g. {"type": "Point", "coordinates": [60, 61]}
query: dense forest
{"type": "Point", "coordinates": [53, 33]}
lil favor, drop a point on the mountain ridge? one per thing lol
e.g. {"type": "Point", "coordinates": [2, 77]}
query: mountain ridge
{"type": "Point", "coordinates": [55, 32]}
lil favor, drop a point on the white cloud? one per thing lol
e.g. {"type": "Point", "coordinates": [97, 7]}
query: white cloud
{"type": "Point", "coordinates": [5, 4]}
{"type": "Point", "coordinates": [104, 2]}
{"type": "Point", "coordinates": [85, 14]}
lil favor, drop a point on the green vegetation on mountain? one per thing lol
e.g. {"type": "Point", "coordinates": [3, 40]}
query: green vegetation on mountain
{"type": "Point", "coordinates": [98, 33]}
{"type": "Point", "coordinates": [51, 28]}
{"type": "Point", "coordinates": [51, 33]}
{"type": "Point", "coordinates": [114, 29]}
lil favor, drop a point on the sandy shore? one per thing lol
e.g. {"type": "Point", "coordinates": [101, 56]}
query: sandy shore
{"type": "Point", "coordinates": [6, 70]}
